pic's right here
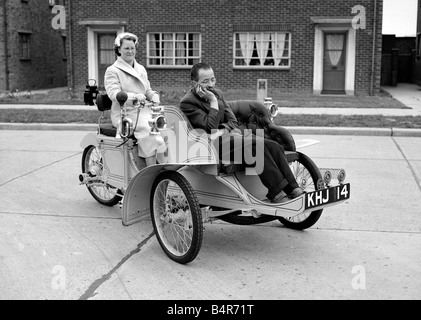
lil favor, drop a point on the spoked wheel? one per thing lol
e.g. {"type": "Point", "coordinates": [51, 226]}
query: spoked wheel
{"type": "Point", "coordinates": [307, 174]}
{"type": "Point", "coordinates": [92, 165]}
{"type": "Point", "coordinates": [176, 217]}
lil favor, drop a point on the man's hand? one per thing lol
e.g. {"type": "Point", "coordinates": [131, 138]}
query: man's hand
{"type": "Point", "coordinates": [204, 93]}
{"type": "Point", "coordinates": [218, 133]}
{"type": "Point", "coordinates": [236, 131]}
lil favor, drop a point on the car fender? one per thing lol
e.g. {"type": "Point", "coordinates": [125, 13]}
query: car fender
{"type": "Point", "coordinates": [89, 140]}
{"type": "Point", "coordinates": [136, 202]}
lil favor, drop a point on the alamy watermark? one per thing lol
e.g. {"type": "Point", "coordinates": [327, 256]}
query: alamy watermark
{"type": "Point", "coordinates": [359, 280]}
{"type": "Point", "coordinates": [58, 281]}
{"type": "Point", "coordinates": [359, 20]}
{"type": "Point", "coordinates": [197, 146]}
{"type": "Point", "coordinates": [59, 20]}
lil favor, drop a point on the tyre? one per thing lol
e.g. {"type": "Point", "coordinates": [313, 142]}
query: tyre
{"type": "Point", "coordinates": [307, 174]}
{"type": "Point", "coordinates": [176, 217]}
{"type": "Point", "coordinates": [92, 164]}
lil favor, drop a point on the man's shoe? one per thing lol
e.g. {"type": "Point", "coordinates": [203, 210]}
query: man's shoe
{"type": "Point", "coordinates": [296, 193]}
{"type": "Point", "coordinates": [280, 198]}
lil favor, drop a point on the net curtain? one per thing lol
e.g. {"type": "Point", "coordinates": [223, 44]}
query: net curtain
{"type": "Point", "coordinates": [262, 41]}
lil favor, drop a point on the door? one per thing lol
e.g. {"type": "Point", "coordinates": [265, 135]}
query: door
{"type": "Point", "coordinates": [334, 63]}
{"type": "Point", "coordinates": [106, 55]}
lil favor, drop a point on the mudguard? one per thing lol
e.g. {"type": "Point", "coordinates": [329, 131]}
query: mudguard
{"type": "Point", "coordinates": [136, 202]}
{"type": "Point", "coordinates": [89, 140]}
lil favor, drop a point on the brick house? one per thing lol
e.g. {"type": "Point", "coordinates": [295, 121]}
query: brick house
{"type": "Point", "coordinates": [32, 53]}
{"type": "Point", "coordinates": [398, 58]}
{"type": "Point", "coordinates": [417, 51]}
{"type": "Point", "coordinates": [307, 46]}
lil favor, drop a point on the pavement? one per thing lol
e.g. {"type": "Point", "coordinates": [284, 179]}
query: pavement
{"type": "Point", "coordinates": [407, 94]}
{"type": "Point", "coordinates": [58, 243]}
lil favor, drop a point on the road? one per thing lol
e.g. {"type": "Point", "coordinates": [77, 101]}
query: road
{"type": "Point", "coordinates": [57, 242]}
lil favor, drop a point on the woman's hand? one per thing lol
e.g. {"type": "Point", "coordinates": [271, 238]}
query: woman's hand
{"type": "Point", "coordinates": [155, 100]}
{"type": "Point", "coordinates": [140, 97]}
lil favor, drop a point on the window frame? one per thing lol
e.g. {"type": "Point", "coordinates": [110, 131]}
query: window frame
{"type": "Point", "coordinates": [173, 57]}
{"type": "Point", "coordinates": [261, 67]}
{"type": "Point", "coordinates": [24, 52]}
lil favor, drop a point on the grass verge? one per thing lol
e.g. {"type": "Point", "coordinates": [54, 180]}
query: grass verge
{"type": "Point", "coordinates": [81, 116]}
{"type": "Point", "coordinates": [171, 96]}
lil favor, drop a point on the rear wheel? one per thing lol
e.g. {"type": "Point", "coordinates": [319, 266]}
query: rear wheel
{"type": "Point", "coordinates": [176, 217]}
{"type": "Point", "coordinates": [92, 164]}
{"type": "Point", "coordinates": [307, 174]}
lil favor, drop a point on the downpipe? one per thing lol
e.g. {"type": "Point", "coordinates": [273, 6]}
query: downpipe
{"type": "Point", "coordinates": [373, 53]}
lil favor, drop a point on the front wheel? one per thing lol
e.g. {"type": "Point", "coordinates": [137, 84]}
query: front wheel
{"type": "Point", "coordinates": [176, 217]}
{"type": "Point", "coordinates": [307, 174]}
{"type": "Point", "coordinates": [92, 164]}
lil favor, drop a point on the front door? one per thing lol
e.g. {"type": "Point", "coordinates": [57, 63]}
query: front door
{"type": "Point", "coordinates": [334, 63]}
{"type": "Point", "coordinates": [106, 55]}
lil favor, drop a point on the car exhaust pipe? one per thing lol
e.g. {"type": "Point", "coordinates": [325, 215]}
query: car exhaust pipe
{"type": "Point", "coordinates": [90, 176]}
{"type": "Point", "coordinates": [84, 178]}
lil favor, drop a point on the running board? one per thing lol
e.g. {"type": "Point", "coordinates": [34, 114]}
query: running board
{"type": "Point", "coordinates": [307, 202]}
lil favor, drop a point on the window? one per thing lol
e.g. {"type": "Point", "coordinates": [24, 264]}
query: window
{"type": "Point", "coordinates": [262, 50]}
{"type": "Point", "coordinates": [173, 49]}
{"type": "Point", "coordinates": [24, 46]}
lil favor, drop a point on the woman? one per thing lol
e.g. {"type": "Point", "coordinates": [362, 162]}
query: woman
{"type": "Point", "coordinates": [129, 76]}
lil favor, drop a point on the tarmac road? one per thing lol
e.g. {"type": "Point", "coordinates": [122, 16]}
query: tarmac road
{"type": "Point", "coordinates": [57, 242]}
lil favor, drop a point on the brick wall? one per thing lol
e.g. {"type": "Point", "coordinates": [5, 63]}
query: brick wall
{"type": "Point", "coordinates": [2, 63]}
{"type": "Point", "coordinates": [46, 67]}
{"type": "Point", "coordinates": [216, 20]}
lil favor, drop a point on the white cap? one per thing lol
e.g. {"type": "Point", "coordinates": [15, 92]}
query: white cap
{"type": "Point", "coordinates": [117, 41]}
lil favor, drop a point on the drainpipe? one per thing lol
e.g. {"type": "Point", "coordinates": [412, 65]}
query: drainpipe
{"type": "Point", "coordinates": [70, 48]}
{"type": "Point", "coordinates": [374, 49]}
{"type": "Point", "coordinates": [6, 58]}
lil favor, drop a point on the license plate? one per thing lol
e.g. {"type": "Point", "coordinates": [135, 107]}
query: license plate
{"type": "Point", "coordinates": [327, 196]}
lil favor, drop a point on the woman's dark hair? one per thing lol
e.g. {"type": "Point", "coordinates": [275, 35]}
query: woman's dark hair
{"type": "Point", "coordinates": [194, 73]}
{"type": "Point", "coordinates": [121, 41]}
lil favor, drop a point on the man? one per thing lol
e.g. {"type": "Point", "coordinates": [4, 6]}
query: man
{"type": "Point", "coordinates": [206, 109]}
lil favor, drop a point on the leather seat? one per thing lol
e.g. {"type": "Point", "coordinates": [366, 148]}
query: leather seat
{"type": "Point", "coordinates": [103, 103]}
{"type": "Point", "coordinates": [253, 115]}
{"type": "Point", "coordinates": [107, 129]}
